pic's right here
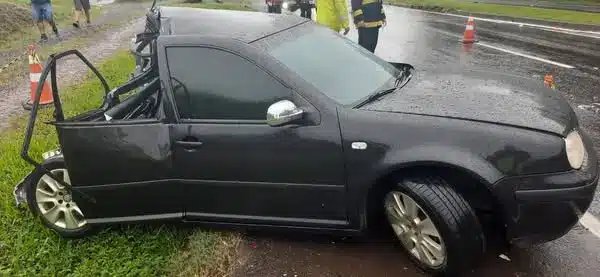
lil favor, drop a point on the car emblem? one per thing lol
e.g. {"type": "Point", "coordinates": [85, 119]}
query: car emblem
{"type": "Point", "coordinates": [359, 145]}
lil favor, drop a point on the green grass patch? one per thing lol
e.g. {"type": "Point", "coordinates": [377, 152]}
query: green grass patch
{"type": "Point", "coordinates": [24, 31]}
{"type": "Point", "coordinates": [27, 248]}
{"type": "Point", "coordinates": [243, 5]}
{"type": "Point", "coordinates": [503, 10]}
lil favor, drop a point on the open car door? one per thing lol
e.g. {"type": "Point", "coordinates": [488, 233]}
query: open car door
{"type": "Point", "coordinates": [118, 156]}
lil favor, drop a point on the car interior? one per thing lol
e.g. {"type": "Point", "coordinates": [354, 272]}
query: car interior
{"type": "Point", "coordinates": [140, 97]}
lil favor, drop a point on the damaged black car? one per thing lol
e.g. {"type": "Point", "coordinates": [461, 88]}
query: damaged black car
{"type": "Point", "coordinates": [234, 122]}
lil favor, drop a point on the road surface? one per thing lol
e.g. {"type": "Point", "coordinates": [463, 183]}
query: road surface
{"type": "Point", "coordinates": [429, 40]}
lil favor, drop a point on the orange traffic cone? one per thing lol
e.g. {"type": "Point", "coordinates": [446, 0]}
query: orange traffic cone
{"type": "Point", "coordinates": [35, 72]}
{"type": "Point", "coordinates": [469, 36]}
{"type": "Point", "coordinates": [549, 81]}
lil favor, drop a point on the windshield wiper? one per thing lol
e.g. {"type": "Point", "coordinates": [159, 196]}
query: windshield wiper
{"type": "Point", "coordinates": [401, 80]}
{"type": "Point", "coordinates": [376, 96]}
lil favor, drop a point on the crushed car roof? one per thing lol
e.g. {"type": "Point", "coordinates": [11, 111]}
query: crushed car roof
{"type": "Point", "coordinates": [242, 25]}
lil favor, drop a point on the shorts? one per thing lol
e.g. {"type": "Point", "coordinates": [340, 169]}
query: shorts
{"type": "Point", "coordinates": [41, 12]}
{"type": "Point", "coordinates": [82, 5]}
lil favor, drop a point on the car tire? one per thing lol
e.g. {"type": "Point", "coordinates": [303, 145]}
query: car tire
{"type": "Point", "coordinates": [58, 199]}
{"type": "Point", "coordinates": [461, 238]}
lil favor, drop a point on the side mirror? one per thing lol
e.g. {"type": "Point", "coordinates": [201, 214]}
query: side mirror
{"type": "Point", "coordinates": [283, 112]}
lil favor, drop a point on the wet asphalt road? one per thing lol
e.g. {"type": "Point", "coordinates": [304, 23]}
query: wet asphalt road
{"type": "Point", "coordinates": [429, 41]}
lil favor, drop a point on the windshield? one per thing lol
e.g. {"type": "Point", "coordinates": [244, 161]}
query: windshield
{"type": "Point", "coordinates": [338, 67]}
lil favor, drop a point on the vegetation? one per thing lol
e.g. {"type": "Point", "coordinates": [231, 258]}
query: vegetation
{"type": "Point", "coordinates": [19, 27]}
{"type": "Point", "coordinates": [214, 4]}
{"type": "Point", "coordinates": [504, 10]}
{"type": "Point", "coordinates": [29, 249]}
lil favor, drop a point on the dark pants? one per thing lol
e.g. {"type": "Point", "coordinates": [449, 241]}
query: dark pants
{"type": "Point", "coordinates": [367, 38]}
{"type": "Point", "coordinates": [305, 10]}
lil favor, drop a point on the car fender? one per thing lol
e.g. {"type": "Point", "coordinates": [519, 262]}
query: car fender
{"type": "Point", "coordinates": [361, 183]}
{"type": "Point", "coordinates": [460, 159]}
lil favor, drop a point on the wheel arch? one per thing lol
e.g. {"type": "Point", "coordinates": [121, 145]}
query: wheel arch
{"type": "Point", "coordinates": [474, 183]}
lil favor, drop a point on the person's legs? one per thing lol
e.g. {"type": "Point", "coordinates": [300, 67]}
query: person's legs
{"type": "Point", "coordinates": [49, 17]}
{"type": "Point", "coordinates": [77, 8]}
{"type": "Point", "coordinates": [88, 18]}
{"type": "Point", "coordinates": [367, 38]}
{"type": "Point", "coordinates": [86, 9]}
{"type": "Point", "coordinates": [362, 37]}
{"type": "Point", "coordinates": [375, 38]}
{"type": "Point", "coordinates": [36, 14]}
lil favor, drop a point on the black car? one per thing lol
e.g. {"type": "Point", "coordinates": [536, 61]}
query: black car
{"type": "Point", "coordinates": [237, 122]}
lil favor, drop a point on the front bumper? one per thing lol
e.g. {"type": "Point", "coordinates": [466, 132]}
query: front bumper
{"type": "Point", "coordinates": [543, 207]}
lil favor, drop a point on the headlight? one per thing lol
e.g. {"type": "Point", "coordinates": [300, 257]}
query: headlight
{"type": "Point", "coordinates": [285, 5]}
{"type": "Point", "coordinates": [575, 149]}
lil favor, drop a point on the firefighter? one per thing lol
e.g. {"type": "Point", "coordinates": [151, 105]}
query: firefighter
{"type": "Point", "coordinates": [368, 18]}
{"type": "Point", "coordinates": [305, 8]}
{"type": "Point", "coordinates": [333, 14]}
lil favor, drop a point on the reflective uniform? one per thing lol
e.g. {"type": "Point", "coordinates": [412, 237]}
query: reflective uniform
{"type": "Point", "coordinates": [333, 14]}
{"type": "Point", "coordinates": [369, 17]}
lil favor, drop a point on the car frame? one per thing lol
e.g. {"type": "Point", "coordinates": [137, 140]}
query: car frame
{"type": "Point", "coordinates": [312, 165]}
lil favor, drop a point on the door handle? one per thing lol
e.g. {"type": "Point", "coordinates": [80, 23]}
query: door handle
{"type": "Point", "coordinates": [188, 145]}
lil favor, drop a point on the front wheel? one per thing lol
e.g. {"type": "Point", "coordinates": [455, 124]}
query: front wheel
{"type": "Point", "coordinates": [53, 203]}
{"type": "Point", "coordinates": [434, 225]}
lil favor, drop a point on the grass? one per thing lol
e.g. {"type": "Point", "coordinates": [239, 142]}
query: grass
{"type": "Point", "coordinates": [211, 4]}
{"type": "Point", "coordinates": [504, 10]}
{"type": "Point", "coordinates": [29, 249]}
{"type": "Point", "coordinates": [26, 31]}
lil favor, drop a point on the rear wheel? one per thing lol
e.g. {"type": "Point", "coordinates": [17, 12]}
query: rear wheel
{"type": "Point", "coordinates": [53, 203]}
{"type": "Point", "coordinates": [434, 225]}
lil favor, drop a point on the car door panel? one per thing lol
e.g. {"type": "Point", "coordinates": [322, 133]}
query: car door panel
{"type": "Point", "coordinates": [258, 170]}
{"type": "Point", "coordinates": [122, 169]}
{"type": "Point", "coordinates": [236, 167]}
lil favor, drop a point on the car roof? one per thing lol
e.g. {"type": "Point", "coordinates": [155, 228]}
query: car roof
{"type": "Point", "coordinates": [242, 25]}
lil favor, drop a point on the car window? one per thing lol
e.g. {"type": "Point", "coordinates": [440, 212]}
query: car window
{"type": "Point", "coordinates": [338, 67]}
{"type": "Point", "coordinates": [215, 84]}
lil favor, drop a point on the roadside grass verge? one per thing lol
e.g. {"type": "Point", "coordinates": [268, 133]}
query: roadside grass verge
{"type": "Point", "coordinates": [78, 42]}
{"type": "Point", "coordinates": [243, 5]}
{"type": "Point", "coordinates": [20, 67]}
{"type": "Point", "coordinates": [24, 31]}
{"type": "Point", "coordinates": [503, 10]}
{"type": "Point", "coordinates": [27, 248]}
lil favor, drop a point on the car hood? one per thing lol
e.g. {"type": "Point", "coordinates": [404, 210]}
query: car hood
{"type": "Point", "coordinates": [482, 96]}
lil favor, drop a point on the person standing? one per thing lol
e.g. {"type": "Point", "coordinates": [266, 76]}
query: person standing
{"type": "Point", "coordinates": [81, 6]}
{"type": "Point", "coordinates": [305, 8]}
{"type": "Point", "coordinates": [41, 11]}
{"type": "Point", "coordinates": [368, 17]}
{"type": "Point", "coordinates": [333, 14]}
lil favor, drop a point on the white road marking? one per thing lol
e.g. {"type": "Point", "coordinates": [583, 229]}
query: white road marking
{"type": "Point", "coordinates": [526, 56]}
{"type": "Point", "coordinates": [591, 223]}
{"type": "Point", "coordinates": [583, 33]}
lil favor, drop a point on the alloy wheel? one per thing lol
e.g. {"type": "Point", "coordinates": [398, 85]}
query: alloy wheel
{"type": "Point", "coordinates": [415, 229]}
{"type": "Point", "coordinates": [55, 202]}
